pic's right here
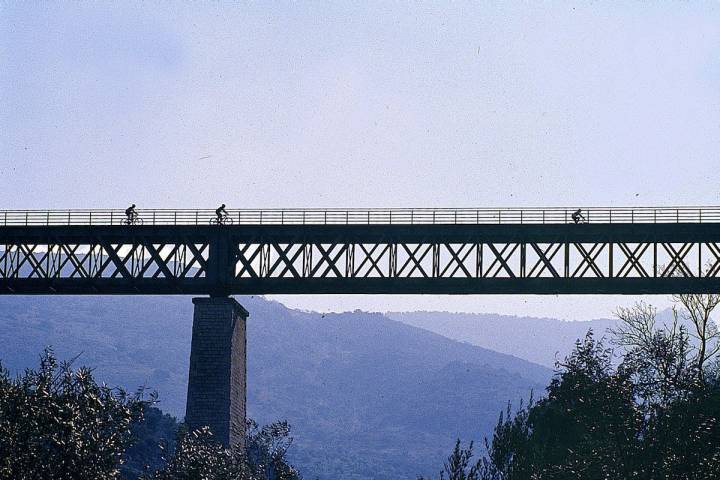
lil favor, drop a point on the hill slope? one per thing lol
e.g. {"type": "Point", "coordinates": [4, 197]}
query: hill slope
{"type": "Point", "coordinates": [368, 397]}
{"type": "Point", "coordinates": [539, 340]}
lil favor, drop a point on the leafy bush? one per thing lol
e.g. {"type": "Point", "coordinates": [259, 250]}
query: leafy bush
{"type": "Point", "coordinates": [57, 422]}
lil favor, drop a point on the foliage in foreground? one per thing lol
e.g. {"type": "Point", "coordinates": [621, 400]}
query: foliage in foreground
{"type": "Point", "coordinates": [197, 456]}
{"type": "Point", "coordinates": [651, 413]}
{"type": "Point", "coordinates": [58, 423]}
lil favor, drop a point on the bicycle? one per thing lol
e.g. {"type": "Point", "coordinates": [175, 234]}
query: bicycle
{"type": "Point", "coordinates": [133, 219]}
{"type": "Point", "coordinates": [578, 218]}
{"type": "Point", "coordinates": [224, 219]}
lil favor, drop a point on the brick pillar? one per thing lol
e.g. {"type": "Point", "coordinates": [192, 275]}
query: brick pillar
{"type": "Point", "coordinates": [217, 380]}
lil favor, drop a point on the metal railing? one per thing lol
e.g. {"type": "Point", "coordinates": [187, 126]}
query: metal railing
{"type": "Point", "coordinates": [390, 216]}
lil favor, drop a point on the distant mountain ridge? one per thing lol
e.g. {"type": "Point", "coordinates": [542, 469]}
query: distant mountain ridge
{"type": "Point", "coordinates": [368, 397]}
{"type": "Point", "coordinates": [539, 340]}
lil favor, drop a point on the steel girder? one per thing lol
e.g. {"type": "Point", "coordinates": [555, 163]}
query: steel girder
{"type": "Point", "coordinates": [453, 259]}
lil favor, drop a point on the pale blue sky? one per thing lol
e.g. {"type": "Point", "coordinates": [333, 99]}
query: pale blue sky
{"type": "Point", "coordinates": [362, 104]}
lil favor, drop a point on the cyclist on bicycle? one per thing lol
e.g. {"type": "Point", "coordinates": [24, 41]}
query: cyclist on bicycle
{"type": "Point", "coordinates": [131, 214]}
{"type": "Point", "coordinates": [220, 212]}
{"type": "Point", "coordinates": [578, 216]}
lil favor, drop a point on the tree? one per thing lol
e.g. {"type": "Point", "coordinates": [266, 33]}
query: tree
{"type": "Point", "coordinates": [57, 422]}
{"type": "Point", "coordinates": [696, 311]}
{"type": "Point", "coordinates": [152, 439]}
{"type": "Point", "coordinates": [585, 427]}
{"type": "Point", "coordinates": [458, 467]}
{"type": "Point", "coordinates": [652, 415]}
{"type": "Point", "coordinates": [659, 358]}
{"type": "Point", "coordinates": [199, 456]}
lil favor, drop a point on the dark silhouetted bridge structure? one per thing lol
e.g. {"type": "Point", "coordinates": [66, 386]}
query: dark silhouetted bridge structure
{"type": "Point", "coordinates": [441, 251]}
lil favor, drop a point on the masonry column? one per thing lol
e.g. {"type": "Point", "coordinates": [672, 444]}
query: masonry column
{"type": "Point", "coordinates": [217, 380]}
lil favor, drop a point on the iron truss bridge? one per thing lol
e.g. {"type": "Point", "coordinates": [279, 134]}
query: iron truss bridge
{"type": "Point", "coordinates": [441, 251]}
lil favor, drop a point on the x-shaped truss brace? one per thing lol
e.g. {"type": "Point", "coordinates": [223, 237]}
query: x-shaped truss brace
{"type": "Point", "coordinates": [369, 257]}
{"type": "Point", "coordinates": [588, 261]}
{"type": "Point", "coordinates": [544, 261]}
{"type": "Point", "coordinates": [632, 263]}
{"type": "Point", "coordinates": [459, 262]}
{"type": "Point", "coordinates": [677, 260]}
{"type": "Point", "coordinates": [414, 261]}
{"type": "Point", "coordinates": [500, 262]}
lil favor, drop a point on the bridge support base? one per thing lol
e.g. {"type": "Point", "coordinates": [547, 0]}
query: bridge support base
{"type": "Point", "coordinates": [217, 380]}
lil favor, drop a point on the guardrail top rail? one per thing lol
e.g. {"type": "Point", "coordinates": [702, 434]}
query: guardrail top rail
{"type": "Point", "coordinates": [390, 216]}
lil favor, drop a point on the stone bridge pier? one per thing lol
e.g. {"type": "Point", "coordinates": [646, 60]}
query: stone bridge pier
{"type": "Point", "coordinates": [217, 382]}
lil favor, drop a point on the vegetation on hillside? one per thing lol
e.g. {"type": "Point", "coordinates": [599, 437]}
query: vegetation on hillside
{"type": "Point", "coordinates": [58, 423]}
{"type": "Point", "coordinates": [649, 409]}
{"type": "Point", "coordinates": [643, 404]}
{"type": "Point", "coordinates": [383, 394]}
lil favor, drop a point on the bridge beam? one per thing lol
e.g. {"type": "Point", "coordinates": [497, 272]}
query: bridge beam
{"type": "Point", "coordinates": [218, 358]}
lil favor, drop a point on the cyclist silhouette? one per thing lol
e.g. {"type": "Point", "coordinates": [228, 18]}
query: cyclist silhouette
{"type": "Point", "coordinates": [221, 217]}
{"type": "Point", "coordinates": [220, 212]}
{"type": "Point", "coordinates": [132, 215]}
{"type": "Point", "coordinates": [578, 217]}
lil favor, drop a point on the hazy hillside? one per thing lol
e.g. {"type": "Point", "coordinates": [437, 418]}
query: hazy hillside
{"type": "Point", "coordinates": [539, 340]}
{"type": "Point", "coordinates": [368, 397]}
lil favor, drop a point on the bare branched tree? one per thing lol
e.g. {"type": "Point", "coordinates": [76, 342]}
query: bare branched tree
{"type": "Point", "coordinates": [696, 311]}
{"type": "Point", "coordinates": [657, 356]}
{"type": "Point", "coordinates": [637, 325]}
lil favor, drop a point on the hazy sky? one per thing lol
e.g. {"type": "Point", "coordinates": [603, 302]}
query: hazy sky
{"type": "Point", "coordinates": [362, 104]}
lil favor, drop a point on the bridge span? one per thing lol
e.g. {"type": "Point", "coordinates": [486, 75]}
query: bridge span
{"type": "Point", "coordinates": [448, 251]}
{"type": "Point", "coordinates": [440, 251]}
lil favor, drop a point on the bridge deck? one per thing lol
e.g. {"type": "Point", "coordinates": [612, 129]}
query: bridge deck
{"type": "Point", "coordinates": [662, 256]}
{"type": "Point", "coordinates": [391, 216]}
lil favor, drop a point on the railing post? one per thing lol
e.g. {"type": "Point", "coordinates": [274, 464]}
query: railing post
{"type": "Point", "coordinates": [90, 218]}
{"type": "Point", "coordinates": [677, 215]}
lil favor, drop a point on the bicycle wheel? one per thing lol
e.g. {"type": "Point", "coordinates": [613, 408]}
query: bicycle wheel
{"type": "Point", "coordinates": [227, 220]}
{"type": "Point", "coordinates": [215, 221]}
{"type": "Point", "coordinates": [138, 221]}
